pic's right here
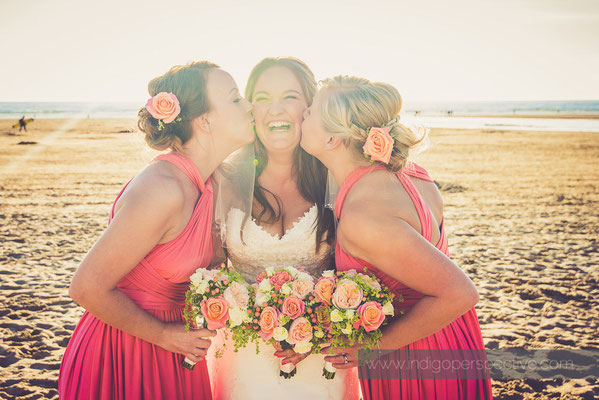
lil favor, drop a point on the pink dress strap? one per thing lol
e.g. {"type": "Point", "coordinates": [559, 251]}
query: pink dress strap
{"type": "Point", "coordinates": [416, 171]}
{"type": "Point", "coordinates": [424, 213]}
{"type": "Point", "coordinates": [186, 165]}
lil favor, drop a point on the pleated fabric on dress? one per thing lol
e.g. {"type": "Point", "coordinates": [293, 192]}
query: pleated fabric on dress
{"type": "Point", "coordinates": [102, 362]}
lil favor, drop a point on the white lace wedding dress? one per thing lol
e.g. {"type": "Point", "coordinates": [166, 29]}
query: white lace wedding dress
{"type": "Point", "coordinates": [247, 375]}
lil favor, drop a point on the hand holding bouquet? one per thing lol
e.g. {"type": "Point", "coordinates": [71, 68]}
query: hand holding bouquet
{"type": "Point", "coordinates": [359, 307]}
{"type": "Point", "coordinates": [284, 311]}
{"type": "Point", "coordinates": [216, 299]}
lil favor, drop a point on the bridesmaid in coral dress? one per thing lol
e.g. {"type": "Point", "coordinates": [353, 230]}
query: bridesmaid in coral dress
{"type": "Point", "coordinates": [131, 340]}
{"type": "Point", "coordinates": [353, 128]}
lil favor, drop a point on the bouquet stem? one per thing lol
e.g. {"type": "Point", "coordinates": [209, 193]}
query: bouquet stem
{"type": "Point", "coordinates": [187, 363]}
{"type": "Point", "coordinates": [328, 371]}
{"type": "Point", "coordinates": [287, 370]}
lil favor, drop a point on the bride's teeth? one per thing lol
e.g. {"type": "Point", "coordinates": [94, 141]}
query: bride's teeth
{"type": "Point", "coordinates": [279, 125]}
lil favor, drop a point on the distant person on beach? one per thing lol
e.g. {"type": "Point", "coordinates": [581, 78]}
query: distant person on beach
{"type": "Point", "coordinates": [22, 124]}
{"type": "Point", "coordinates": [131, 341]}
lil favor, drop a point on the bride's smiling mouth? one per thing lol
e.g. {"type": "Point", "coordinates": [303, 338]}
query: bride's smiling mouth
{"type": "Point", "coordinates": [279, 126]}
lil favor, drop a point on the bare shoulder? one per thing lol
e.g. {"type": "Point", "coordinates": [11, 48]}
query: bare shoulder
{"type": "Point", "coordinates": [156, 188]}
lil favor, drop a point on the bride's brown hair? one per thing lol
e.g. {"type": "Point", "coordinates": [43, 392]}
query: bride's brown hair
{"type": "Point", "coordinates": [310, 172]}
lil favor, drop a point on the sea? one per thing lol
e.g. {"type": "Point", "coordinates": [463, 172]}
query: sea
{"type": "Point", "coordinates": [460, 115]}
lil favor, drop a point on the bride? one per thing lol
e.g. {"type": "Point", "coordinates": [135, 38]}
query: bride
{"type": "Point", "coordinates": [284, 223]}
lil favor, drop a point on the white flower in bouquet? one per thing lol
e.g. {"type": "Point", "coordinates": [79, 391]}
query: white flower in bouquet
{"type": "Point", "coordinates": [280, 333]}
{"type": "Point", "coordinates": [349, 314]}
{"type": "Point", "coordinates": [329, 274]}
{"type": "Point", "coordinates": [286, 289]}
{"type": "Point", "coordinates": [336, 316]}
{"type": "Point", "coordinates": [196, 277]}
{"type": "Point", "coordinates": [292, 271]}
{"type": "Point", "coordinates": [265, 285]}
{"type": "Point", "coordinates": [236, 317]}
{"type": "Point", "coordinates": [303, 347]}
{"type": "Point", "coordinates": [202, 287]}
{"type": "Point", "coordinates": [209, 275]}
{"type": "Point", "coordinates": [270, 271]}
{"type": "Point", "coordinates": [347, 330]}
{"type": "Point", "coordinates": [388, 309]}
{"type": "Point", "coordinates": [261, 298]}
{"type": "Point", "coordinates": [319, 333]}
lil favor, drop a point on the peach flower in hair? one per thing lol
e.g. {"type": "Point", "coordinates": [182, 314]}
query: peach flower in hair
{"type": "Point", "coordinates": [379, 144]}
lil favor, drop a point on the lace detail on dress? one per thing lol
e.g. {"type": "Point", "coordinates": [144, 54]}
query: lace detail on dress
{"type": "Point", "coordinates": [297, 247]}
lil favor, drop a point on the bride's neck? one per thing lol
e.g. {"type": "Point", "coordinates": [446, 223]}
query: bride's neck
{"type": "Point", "coordinates": [279, 167]}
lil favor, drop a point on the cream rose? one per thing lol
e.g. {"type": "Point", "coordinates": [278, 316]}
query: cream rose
{"type": "Point", "coordinates": [301, 288]}
{"type": "Point", "coordinates": [237, 295]}
{"type": "Point", "coordinates": [299, 331]}
{"type": "Point", "coordinates": [347, 295]}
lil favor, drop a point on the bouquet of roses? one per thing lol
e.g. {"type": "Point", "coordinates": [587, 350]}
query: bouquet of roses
{"type": "Point", "coordinates": [358, 307]}
{"type": "Point", "coordinates": [285, 312]}
{"type": "Point", "coordinates": [219, 298]}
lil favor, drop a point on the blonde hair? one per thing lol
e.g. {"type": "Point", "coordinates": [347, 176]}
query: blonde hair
{"type": "Point", "coordinates": [188, 83]}
{"type": "Point", "coordinates": [352, 105]}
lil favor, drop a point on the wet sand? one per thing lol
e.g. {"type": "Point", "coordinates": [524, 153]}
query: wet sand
{"type": "Point", "coordinates": [521, 209]}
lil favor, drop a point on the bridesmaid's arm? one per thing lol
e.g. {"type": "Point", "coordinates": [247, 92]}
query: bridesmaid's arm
{"type": "Point", "coordinates": [149, 210]}
{"type": "Point", "coordinates": [395, 248]}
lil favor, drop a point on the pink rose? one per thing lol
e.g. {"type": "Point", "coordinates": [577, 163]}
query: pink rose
{"type": "Point", "coordinates": [299, 331]}
{"type": "Point", "coordinates": [379, 144]}
{"type": "Point", "coordinates": [371, 315]}
{"type": "Point", "coordinates": [348, 295]}
{"type": "Point", "coordinates": [164, 106]}
{"type": "Point", "coordinates": [261, 276]}
{"type": "Point", "coordinates": [292, 307]}
{"type": "Point", "coordinates": [237, 295]}
{"type": "Point", "coordinates": [269, 320]}
{"type": "Point", "coordinates": [301, 288]}
{"type": "Point", "coordinates": [280, 278]}
{"type": "Point", "coordinates": [324, 289]}
{"type": "Point", "coordinates": [216, 312]}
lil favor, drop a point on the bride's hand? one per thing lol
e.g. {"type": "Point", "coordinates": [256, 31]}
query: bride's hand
{"type": "Point", "coordinates": [289, 356]}
{"type": "Point", "coordinates": [193, 344]}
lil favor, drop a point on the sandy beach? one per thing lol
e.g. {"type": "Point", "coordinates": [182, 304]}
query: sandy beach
{"type": "Point", "coordinates": [521, 212]}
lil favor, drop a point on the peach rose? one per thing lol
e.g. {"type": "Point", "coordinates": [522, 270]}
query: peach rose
{"type": "Point", "coordinates": [216, 312]}
{"type": "Point", "coordinates": [261, 277]}
{"type": "Point", "coordinates": [324, 289]}
{"type": "Point", "coordinates": [348, 295]}
{"type": "Point", "coordinates": [379, 144]}
{"type": "Point", "coordinates": [371, 315]}
{"type": "Point", "coordinates": [301, 288]}
{"type": "Point", "coordinates": [299, 331]}
{"type": "Point", "coordinates": [292, 307]}
{"type": "Point", "coordinates": [237, 295]}
{"type": "Point", "coordinates": [280, 278]}
{"type": "Point", "coordinates": [269, 320]}
{"type": "Point", "coordinates": [164, 106]}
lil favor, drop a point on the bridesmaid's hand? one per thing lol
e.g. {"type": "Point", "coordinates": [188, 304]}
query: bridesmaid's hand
{"type": "Point", "coordinates": [338, 359]}
{"type": "Point", "coordinates": [193, 344]}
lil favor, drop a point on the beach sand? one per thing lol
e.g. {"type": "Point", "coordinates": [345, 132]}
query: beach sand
{"type": "Point", "coordinates": [521, 212]}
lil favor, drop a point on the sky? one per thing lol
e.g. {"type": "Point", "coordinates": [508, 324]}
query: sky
{"type": "Point", "coordinates": [459, 50]}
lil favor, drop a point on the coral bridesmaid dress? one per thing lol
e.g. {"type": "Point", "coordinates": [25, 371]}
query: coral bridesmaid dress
{"type": "Point", "coordinates": [460, 339]}
{"type": "Point", "coordinates": [102, 362]}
